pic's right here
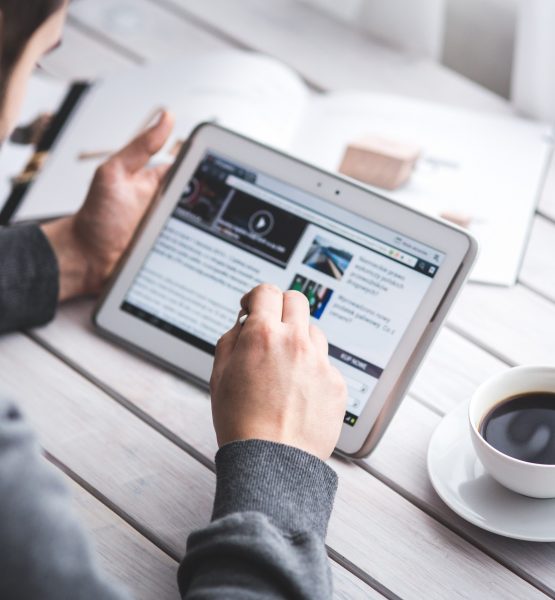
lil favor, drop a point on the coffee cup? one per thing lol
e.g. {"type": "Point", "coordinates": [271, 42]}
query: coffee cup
{"type": "Point", "coordinates": [490, 403]}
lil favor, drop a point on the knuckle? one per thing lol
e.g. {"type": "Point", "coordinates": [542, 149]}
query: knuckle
{"type": "Point", "coordinates": [260, 331]}
{"type": "Point", "coordinates": [298, 342]}
{"type": "Point", "coordinates": [265, 331]}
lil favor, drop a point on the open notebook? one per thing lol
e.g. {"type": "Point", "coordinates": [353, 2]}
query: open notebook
{"type": "Point", "coordinates": [489, 167]}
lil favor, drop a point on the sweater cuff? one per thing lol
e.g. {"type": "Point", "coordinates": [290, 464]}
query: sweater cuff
{"type": "Point", "coordinates": [293, 488]}
{"type": "Point", "coordinates": [29, 278]}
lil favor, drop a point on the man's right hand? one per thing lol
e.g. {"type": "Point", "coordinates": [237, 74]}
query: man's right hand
{"type": "Point", "coordinates": [272, 379]}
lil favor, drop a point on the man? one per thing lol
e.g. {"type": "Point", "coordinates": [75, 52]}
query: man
{"type": "Point", "coordinates": [277, 403]}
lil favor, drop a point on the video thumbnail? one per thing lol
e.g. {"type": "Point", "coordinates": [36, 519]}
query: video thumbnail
{"type": "Point", "coordinates": [202, 200]}
{"type": "Point", "coordinates": [210, 202]}
{"type": "Point", "coordinates": [327, 259]}
{"type": "Point", "coordinates": [318, 296]}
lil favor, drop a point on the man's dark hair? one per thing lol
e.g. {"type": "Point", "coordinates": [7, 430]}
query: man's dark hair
{"type": "Point", "coordinates": [19, 19]}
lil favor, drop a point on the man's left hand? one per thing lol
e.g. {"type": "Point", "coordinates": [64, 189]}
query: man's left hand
{"type": "Point", "coordinates": [89, 244]}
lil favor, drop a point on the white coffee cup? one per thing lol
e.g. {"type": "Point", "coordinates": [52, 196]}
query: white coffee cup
{"type": "Point", "coordinates": [530, 479]}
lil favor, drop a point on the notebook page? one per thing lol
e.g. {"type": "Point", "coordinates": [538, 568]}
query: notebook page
{"type": "Point", "coordinates": [486, 166]}
{"type": "Point", "coordinates": [253, 94]}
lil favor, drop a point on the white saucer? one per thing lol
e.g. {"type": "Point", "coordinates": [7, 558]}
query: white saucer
{"type": "Point", "coordinates": [463, 484]}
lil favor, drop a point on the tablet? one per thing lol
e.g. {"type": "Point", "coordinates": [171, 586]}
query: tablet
{"type": "Point", "coordinates": [379, 277]}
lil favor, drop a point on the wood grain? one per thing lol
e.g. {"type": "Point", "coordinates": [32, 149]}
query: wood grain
{"type": "Point", "coordinates": [132, 560]}
{"type": "Point", "coordinates": [124, 554]}
{"type": "Point", "coordinates": [452, 371]}
{"type": "Point", "coordinates": [159, 488]}
{"type": "Point", "coordinates": [159, 485]}
{"type": "Point", "coordinates": [401, 458]}
{"type": "Point", "coordinates": [364, 541]}
{"type": "Point", "coordinates": [514, 324]}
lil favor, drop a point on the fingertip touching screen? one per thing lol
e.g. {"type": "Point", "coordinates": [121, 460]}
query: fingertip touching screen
{"type": "Point", "coordinates": [234, 228]}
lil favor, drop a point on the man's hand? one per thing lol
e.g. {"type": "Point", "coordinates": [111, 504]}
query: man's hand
{"type": "Point", "coordinates": [272, 379]}
{"type": "Point", "coordinates": [89, 244]}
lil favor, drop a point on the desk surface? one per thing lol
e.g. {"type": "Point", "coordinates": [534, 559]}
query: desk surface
{"type": "Point", "coordinates": [136, 443]}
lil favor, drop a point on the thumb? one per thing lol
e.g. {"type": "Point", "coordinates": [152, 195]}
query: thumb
{"type": "Point", "coordinates": [138, 152]}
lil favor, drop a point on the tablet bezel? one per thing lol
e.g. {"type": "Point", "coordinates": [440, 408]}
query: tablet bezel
{"type": "Point", "coordinates": [458, 246]}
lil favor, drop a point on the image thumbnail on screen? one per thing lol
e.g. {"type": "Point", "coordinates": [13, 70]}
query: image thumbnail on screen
{"type": "Point", "coordinates": [318, 295]}
{"type": "Point", "coordinates": [326, 258]}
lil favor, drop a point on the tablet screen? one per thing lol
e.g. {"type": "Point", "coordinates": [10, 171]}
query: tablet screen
{"type": "Point", "coordinates": [234, 228]}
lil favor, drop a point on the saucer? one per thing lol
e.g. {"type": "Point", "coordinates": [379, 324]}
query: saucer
{"type": "Point", "coordinates": [463, 484]}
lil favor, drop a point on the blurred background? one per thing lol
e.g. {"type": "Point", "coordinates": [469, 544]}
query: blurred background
{"type": "Point", "coordinates": [507, 46]}
{"type": "Point", "coordinates": [314, 77]}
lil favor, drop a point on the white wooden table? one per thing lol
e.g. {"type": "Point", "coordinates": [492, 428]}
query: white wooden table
{"type": "Point", "coordinates": [136, 443]}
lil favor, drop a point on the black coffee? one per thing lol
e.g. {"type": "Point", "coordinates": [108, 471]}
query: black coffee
{"type": "Point", "coordinates": [523, 427]}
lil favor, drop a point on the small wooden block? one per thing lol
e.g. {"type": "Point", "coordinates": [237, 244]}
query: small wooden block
{"type": "Point", "coordinates": [379, 161]}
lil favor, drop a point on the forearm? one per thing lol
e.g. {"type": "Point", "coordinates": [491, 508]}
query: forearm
{"type": "Point", "coordinates": [28, 278]}
{"type": "Point", "coordinates": [266, 540]}
{"type": "Point", "coordinates": [44, 552]}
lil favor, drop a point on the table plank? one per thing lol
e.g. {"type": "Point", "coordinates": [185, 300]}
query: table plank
{"type": "Point", "coordinates": [158, 486]}
{"type": "Point", "coordinates": [81, 57]}
{"type": "Point", "coordinates": [400, 458]}
{"type": "Point", "coordinates": [452, 371]}
{"type": "Point", "coordinates": [364, 541]}
{"type": "Point", "coordinates": [144, 29]}
{"type": "Point", "coordinates": [400, 465]}
{"type": "Point", "coordinates": [514, 324]}
{"type": "Point", "coordinates": [124, 554]}
{"type": "Point", "coordinates": [132, 560]}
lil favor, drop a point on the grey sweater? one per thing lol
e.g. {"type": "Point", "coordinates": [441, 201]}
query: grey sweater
{"type": "Point", "coordinates": [271, 508]}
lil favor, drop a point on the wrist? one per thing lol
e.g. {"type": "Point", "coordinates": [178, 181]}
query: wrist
{"type": "Point", "coordinates": [293, 488]}
{"type": "Point", "coordinates": [76, 275]}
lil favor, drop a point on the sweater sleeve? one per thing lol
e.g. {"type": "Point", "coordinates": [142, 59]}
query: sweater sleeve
{"type": "Point", "coordinates": [44, 552]}
{"type": "Point", "coordinates": [28, 278]}
{"type": "Point", "coordinates": [266, 540]}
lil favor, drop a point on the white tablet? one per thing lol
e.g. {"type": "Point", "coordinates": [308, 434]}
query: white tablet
{"type": "Point", "coordinates": [379, 277]}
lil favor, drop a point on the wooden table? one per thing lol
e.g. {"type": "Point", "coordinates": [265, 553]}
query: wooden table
{"type": "Point", "coordinates": [136, 443]}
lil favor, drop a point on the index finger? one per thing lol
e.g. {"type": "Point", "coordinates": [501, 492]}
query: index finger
{"type": "Point", "coordinates": [296, 309]}
{"type": "Point", "coordinates": [264, 301]}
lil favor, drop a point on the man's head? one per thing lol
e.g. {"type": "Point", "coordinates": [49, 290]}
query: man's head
{"type": "Point", "coordinates": [28, 30]}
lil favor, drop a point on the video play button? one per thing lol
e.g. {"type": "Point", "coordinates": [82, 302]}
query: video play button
{"type": "Point", "coordinates": [261, 223]}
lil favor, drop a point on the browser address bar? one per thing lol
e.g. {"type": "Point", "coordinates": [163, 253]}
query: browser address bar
{"type": "Point", "coordinates": [254, 190]}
